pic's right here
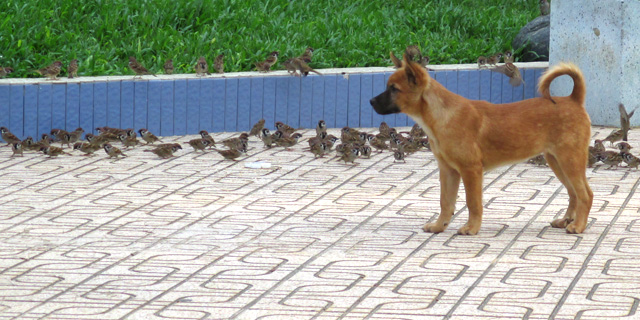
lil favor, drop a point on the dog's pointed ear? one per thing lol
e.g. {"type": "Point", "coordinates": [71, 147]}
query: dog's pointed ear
{"type": "Point", "coordinates": [416, 74]}
{"type": "Point", "coordinates": [396, 62]}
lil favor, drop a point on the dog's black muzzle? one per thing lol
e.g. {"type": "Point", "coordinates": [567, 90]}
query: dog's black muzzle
{"type": "Point", "coordinates": [383, 103]}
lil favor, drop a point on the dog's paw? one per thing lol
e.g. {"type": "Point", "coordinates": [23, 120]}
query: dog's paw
{"type": "Point", "coordinates": [574, 228]}
{"type": "Point", "coordinates": [433, 228]}
{"type": "Point", "coordinates": [468, 230]}
{"type": "Point", "coordinates": [560, 223]}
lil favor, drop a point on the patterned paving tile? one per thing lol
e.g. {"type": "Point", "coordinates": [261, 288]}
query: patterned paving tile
{"type": "Point", "coordinates": [198, 237]}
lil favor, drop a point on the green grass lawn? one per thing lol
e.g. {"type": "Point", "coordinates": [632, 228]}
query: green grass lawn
{"type": "Point", "coordinates": [102, 34]}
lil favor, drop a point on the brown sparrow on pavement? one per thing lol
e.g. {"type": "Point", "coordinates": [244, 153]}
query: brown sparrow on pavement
{"type": "Point", "coordinates": [350, 155]}
{"type": "Point", "coordinates": [265, 136]}
{"type": "Point", "coordinates": [286, 129]}
{"type": "Point", "coordinates": [231, 154]}
{"type": "Point", "coordinates": [128, 141]}
{"type": "Point", "coordinates": [17, 149]}
{"type": "Point", "coordinates": [199, 144]}
{"type": "Point", "coordinates": [538, 160]}
{"type": "Point", "coordinates": [112, 151]}
{"type": "Point", "coordinates": [8, 137]}
{"type": "Point", "coordinates": [166, 151]}
{"type": "Point", "coordinates": [614, 136]}
{"type": "Point", "coordinates": [147, 136]}
{"type": "Point", "coordinates": [85, 147]}
{"type": "Point", "coordinates": [205, 135]}
{"type": "Point", "coordinates": [257, 128]}
{"type": "Point", "coordinates": [625, 120]}
{"type": "Point", "coordinates": [288, 142]}
{"type": "Point", "coordinates": [52, 151]}
{"type": "Point", "coordinates": [321, 127]}
{"type": "Point", "coordinates": [398, 156]}
{"type": "Point", "coordinates": [319, 149]}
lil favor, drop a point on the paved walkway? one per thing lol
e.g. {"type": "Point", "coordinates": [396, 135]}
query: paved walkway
{"type": "Point", "coordinates": [195, 237]}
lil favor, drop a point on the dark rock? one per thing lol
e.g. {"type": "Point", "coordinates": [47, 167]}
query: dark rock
{"type": "Point", "coordinates": [534, 39]}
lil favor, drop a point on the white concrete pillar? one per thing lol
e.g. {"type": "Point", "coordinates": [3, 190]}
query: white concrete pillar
{"type": "Point", "coordinates": [603, 38]}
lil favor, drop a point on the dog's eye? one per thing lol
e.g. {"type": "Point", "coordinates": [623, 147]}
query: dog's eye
{"type": "Point", "coordinates": [393, 89]}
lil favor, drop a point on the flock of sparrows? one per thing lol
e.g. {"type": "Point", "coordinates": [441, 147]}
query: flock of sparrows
{"type": "Point", "coordinates": [354, 143]}
{"type": "Point", "coordinates": [508, 68]}
{"type": "Point", "coordinates": [293, 66]}
{"type": "Point", "coordinates": [599, 153]}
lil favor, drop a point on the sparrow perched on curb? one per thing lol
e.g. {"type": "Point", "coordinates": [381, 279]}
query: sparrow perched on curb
{"type": "Point", "coordinates": [52, 151]}
{"type": "Point", "coordinates": [508, 57]}
{"type": "Point", "coordinates": [303, 67]}
{"type": "Point", "coordinates": [545, 8]}
{"type": "Point", "coordinates": [307, 55]}
{"type": "Point", "coordinates": [52, 71]}
{"type": "Point", "coordinates": [511, 71]}
{"type": "Point", "coordinates": [72, 70]}
{"type": "Point", "coordinates": [112, 151]}
{"type": "Point", "coordinates": [218, 63]}
{"type": "Point", "coordinates": [138, 68]}
{"type": "Point", "coordinates": [168, 67]}
{"type": "Point", "coordinates": [257, 128]}
{"type": "Point", "coordinates": [8, 137]}
{"type": "Point", "coordinates": [265, 66]}
{"type": "Point", "coordinates": [85, 147]}
{"type": "Point", "coordinates": [206, 136]}
{"type": "Point", "coordinates": [265, 136]}
{"type": "Point", "coordinates": [4, 71]}
{"type": "Point", "coordinates": [199, 144]}
{"type": "Point", "coordinates": [494, 59]}
{"type": "Point", "coordinates": [148, 136]}
{"type": "Point", "coordinates": [231, 154]}
{"type": "Point", "coordinates": [482, 62]}
{"type": "Point", "coordinates": [291, 69]}
{"type": "Point", "coordinates": [17, 149]}
{"type": "Point", "coordinates": [202, 67]}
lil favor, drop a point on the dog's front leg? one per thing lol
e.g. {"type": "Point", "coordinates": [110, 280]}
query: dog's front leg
{"type": "Point", "coordinates": [449, 184]}
{"type": "Point", "coordinates": [472, 179]}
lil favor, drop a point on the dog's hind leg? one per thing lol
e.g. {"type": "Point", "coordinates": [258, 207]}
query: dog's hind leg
{"type": "Point", "coordinates": [472, 179]}
{"type": "Point", "coordinates": [569, 215]}
{"type": "Point", "coordinates": [449, 184]}
{"type": "Point", "coordinates": [574, 166]}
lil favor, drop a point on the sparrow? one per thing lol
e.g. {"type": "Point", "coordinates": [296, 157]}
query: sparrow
{"type": "Point", "coordinates": [424, 62]}
{"type": "Point", "coordinates": [378, 144]}
{"type": "Point", "coordinates": [413, 52]}
{"type": "Point", "coordinates": [206, 136]}
{"type": "Point", "coordinates": [317, 139]}
{"type": "Point", "coordinates": [614, 136]}
{"type": "Point", "coordinates": [265, 66]}
{"type": "Point", "coordinates": [8, 137]}
{"type": "Point", "coordinates": [291, 69]}
{"type": "Point", "coordinates": [398, 156]}
{"type": "Point", "coordinates": [625, 120]}
{"type": "Point", "coordinates": [545, 8]}
{"type": "Point", "coordinates": [199, 144]}
{"type": "Point", "coordinates": [45, 141]}
{"type": "Point", "coordinates": [288, 142]}
{"type": "Point", "coordinates": [17, 149]}
{"type": "Point", "coordinates": [397, 63]}
{"type": "Point", "coordinates": [257, 128]}
{"type": "Point", "coordinates": [494, 59]}
{"type": "Point", "coordinates": [623, 146]}
{"type": "Point", "coordinates": [115, 131]}
{"type": "Point", "coordinates": [277, 136]}
{"type": "Point", "coordinates": [98, 140]}
{"type": "Point", "coordinates": [58, 134]}
{"type": "Point", "coordinates": [131, 133]}
{"type": "Point", "coordinates": [202, 67]}
{"type": "Point", "coordinates": [286, 129]}
{"type": "Point", "coordinates": [350, 155]}
{"type": "Point", "coordinates": [52, 71]}
{"type": "Point", "coordinates": [52, 151]}
{"type": "Point", "coordinates": [231, 154]}
{"type": "Point", "coordinates": [538, 160]}
{"type": "Point", "coordinates": [365, 151]}
{"type": "Point", "coordinates": [29, 144]}
{"type": "Point", "coordinates": [65, 139]}
{"type": "Point", "coordinates": [85, 147]}
{"type": "Point", "coordinates": [75, 135]}
{"type": "Point", "coordinates": [384, 129]}
{"type": "Point", "coordinates": [330, 140]}
{"type": "Point", "coordinates": [147, 136]}
{"type": "Point", "coordinates": [265, 136]}
{"type": "Point", "coordinates": [168, 67]}
{"type": "Point", "coordinates": [598, 147]}
{"type": "Point", "coordinates": [425, 143]}
{"type": "Point", "coordinates": [138, 68]}
{"type": "Point", "coordinates": [166, 151]}
{"type": "Point", "coordinates": [306, 56]}
{"type": "Point", "coordinates": [5, 71]}
{"type": "Point", "coordinates": [128, 141]}
{"type": "Point", "coordinates": [510, 70]}
{"type": "Point", "coordinates": [321, 127]}
{"type": "Point", "coordinates": [112, 151]}
{"type": "Point", "coordinates": [482, 62]}
{"type": "Point", "coordinates": [303, 67]}
{"type": "Point", "coordinates": [592, 158]}
{"type": "Point", "coordinates": [218, 63]}
{"type": "Point", "coordinates": [319, 149]}
{"type": "Point", "coordinates": [631, 160]}
{"type": "Point", "coordinates": [508, 56]}
{"type": "Point", "coordinates": [349, 135]}
{"type": "Point", "coordinates": [72, 70]}
{"type": "Point", "coordinates": [417, 131]}
{"type": "Point", "coordinates": [239, 142]}
{"type": "Point", "coordinates": [341, 148]}
{"type": "Point", "coordinates": [610, 158]}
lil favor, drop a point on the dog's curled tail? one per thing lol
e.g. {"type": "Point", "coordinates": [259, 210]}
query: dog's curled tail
{"type": "Point", "coordinates": [570, 69]}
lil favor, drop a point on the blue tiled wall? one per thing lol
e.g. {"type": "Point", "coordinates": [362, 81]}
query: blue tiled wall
{"type": "Point", "coordinates": [186, 106]}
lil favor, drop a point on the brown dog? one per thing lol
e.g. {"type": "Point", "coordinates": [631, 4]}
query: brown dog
{"type": "Point", "coordinates": [470, 136]}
